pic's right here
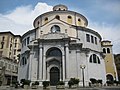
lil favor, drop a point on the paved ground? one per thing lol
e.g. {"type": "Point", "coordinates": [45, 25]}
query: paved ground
{"type": "Point", "coordinates": [54, 88]}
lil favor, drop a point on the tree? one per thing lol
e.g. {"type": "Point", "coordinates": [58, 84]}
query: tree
{"type": "Point", "coordinates": [46, 84]}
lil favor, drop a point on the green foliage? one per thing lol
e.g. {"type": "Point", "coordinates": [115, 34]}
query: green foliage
{"type": "Point", "coordinates": [46, 84]}
{"type": "Point", "coordinates": [70, 83]}
{"type": "Point", "coordinates": [93, 80]}
{"type": "Point", "coordinates": [60, 83]}
{"type": "Point", "coordinates": [73, 81]}
{"type": "Point", "coordinates": [22, 81]}
{"type": "Point", "coordinates": [109, 82]}
{"type": "Point", "coordinates": [25, 82]}
{"type": "Point", "coordinates": [36, 83]}
{"type": "Point", "coordinates": [99, 81]}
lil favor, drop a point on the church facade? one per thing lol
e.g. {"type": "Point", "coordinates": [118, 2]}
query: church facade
{"type": "Point", "coordinates": [59, 47]}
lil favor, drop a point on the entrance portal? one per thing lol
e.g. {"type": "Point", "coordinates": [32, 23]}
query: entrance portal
{"type": "Point", "coordinates": [54, 75]}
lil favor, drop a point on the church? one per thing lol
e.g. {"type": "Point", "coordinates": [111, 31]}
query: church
{"type": "Point", "coordinates": [61, 47]}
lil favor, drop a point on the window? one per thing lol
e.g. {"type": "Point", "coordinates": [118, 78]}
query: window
{"type": "Point", "coordinates": [69, 20]}
{"type": "Point", "coordinates": [3, 38]}
{"type": "Point", "coordinates": [59, 9]}
{"type": "Point", "coordinates": [95, 40]}
{"type": "Point", "coordinates": [10, 46]}
{"type": "Point", "coordinates": [2, 45]}
{"type": "Point", "coordinates": [55, 29]}
{"type": "Point", "coordinates": [15, 44]}
{"type": "Point", "coordinates": [54, 52]}
{"type": "Point", "coordinates": [38, 23]}
{"type": "Point", "coordinates": [15, 40]}
{"type": "Point", "coordinates": [79, 21]}
{"type": "Point", "coordinates": [88, 37]}
{"type": "Point", "coordinates": [46, 20]}
{"type": "Point", "coordinates": [104, 50]}
{"type": "Point", "coordinates": [91, 58]}
{"type": "Point", "coordinates": [94, 59]}
{"type": "Point", "coordinates": [9, 54]}
{"type": "Point", "coordinates": [28, 40]}
{"type": "Point", "coordinates": [11, 40]}
{"type": "Point", "coordinates": [14, 58]}
{"type": "Point", "coordinates": [92, 39]}
{"type": "Point", "coordinates": [108, 50]}
{"type": "Point", "coordinates": [57, 17]}
{"type": "Point", "coordinates": [23, 61]}
{"type": "Point", "coordinates": [15, 52]}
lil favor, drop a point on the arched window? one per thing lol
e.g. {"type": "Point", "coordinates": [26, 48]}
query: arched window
{"type": "Point", "coordinates": [46, 20]}
{"type": "Point", "coordinates": [104, 50]}
{"type": "Point", "coordinates": [69, 20]}
{"type": "Point", "coordinates": [79, 21]}
{"type": "Point", "coordinates": [53, 52]}
{"type": "Point", "coordinates": [55, 29]}
{"type": "Point", "coordinates": [59, 9]}
{"type": "Point", "coordinates": [108, 50]}
{"type": "Point", "coordinates": [38, 23]}
{"type": "Point", "coordinates": [94, 59]}
{"type": "Point", "coordinates": [23, 61]}
{"type": "Point", "coordinates": [57, 17]}
{"type": "Point", "coordinates": [91, 58]}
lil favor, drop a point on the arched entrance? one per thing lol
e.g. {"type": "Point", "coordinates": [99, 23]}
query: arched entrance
{"type": "Point", "coordinates": [109, 77]}
{"type": "Point", "coordinates": [54, 75]}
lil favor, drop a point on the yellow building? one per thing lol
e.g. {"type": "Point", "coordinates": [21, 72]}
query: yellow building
{"type": "Point", "coordinates": [111, 73]}
{"type": "Point", "coordinates": [10, 45]}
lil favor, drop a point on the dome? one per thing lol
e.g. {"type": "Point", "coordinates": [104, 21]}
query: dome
{"type": "Point", "coordinates": [60, 7]}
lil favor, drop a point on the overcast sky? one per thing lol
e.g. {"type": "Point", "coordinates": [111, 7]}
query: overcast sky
{"type": "Point", "coordinates": [103, 15]}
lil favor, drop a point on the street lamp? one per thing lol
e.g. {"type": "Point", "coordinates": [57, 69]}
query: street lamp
{"type": "Point", "coordinates": [83, 67]}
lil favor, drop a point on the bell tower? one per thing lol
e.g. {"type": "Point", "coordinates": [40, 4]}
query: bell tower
{"type": "Point", "coordinates": [111, 73]}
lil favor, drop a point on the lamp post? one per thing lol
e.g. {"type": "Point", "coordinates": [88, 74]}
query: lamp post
{"type": "Point", "coordinates": [83, 67]}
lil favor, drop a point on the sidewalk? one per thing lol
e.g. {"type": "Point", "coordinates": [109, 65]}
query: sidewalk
{"type": "Point", "coordinates": [54, 88]}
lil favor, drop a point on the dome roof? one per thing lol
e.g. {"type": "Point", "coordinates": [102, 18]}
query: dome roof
{"type": "Point", "coordinates": [60, 7]}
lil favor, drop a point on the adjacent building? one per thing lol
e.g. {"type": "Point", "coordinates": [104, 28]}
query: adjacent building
{"type": "Point", "coordinates": [111, 72]}
{"type": "Point", "coordinates": [59, 47]}
{"type": "Point", "coordinates": [117, 63]}
{"type": "Point", "coordinates": [10, 45]}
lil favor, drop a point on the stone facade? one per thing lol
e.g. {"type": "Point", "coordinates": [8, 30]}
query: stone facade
{"type": "Point", "coordinates": [58, 45]}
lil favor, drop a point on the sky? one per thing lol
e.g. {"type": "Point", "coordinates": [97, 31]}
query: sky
{"type": "Point", "coordinates": [103, 16]}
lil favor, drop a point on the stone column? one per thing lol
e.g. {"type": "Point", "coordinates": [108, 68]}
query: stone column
{"type": "Point", "coordinates": [44, 67]}
{"type": "Point", "coordinates": [47, 73]}
{"type": "Point", "coordinates": [63, 66]}
{"type": "Point", "coordinates": [60, 72]}
{"type": "Point", "coordinates": [40, 62]}
{"type": "Point", "coordinates": [67, 61]}
{"type": "Point", "coordinates": [30, 65]}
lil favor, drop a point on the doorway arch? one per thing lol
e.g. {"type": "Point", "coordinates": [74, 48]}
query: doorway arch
{"type": "Point", "coordinates": [109, 77]}
{"type": "Point", "coordinates": [54, 76]}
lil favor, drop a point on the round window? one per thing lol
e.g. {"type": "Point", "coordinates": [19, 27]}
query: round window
{"type": "Point", "coordinates": [55, 29]}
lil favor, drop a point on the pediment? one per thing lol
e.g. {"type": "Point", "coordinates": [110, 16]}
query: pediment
{"type": "Point", "coordinates": [54, 36]}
